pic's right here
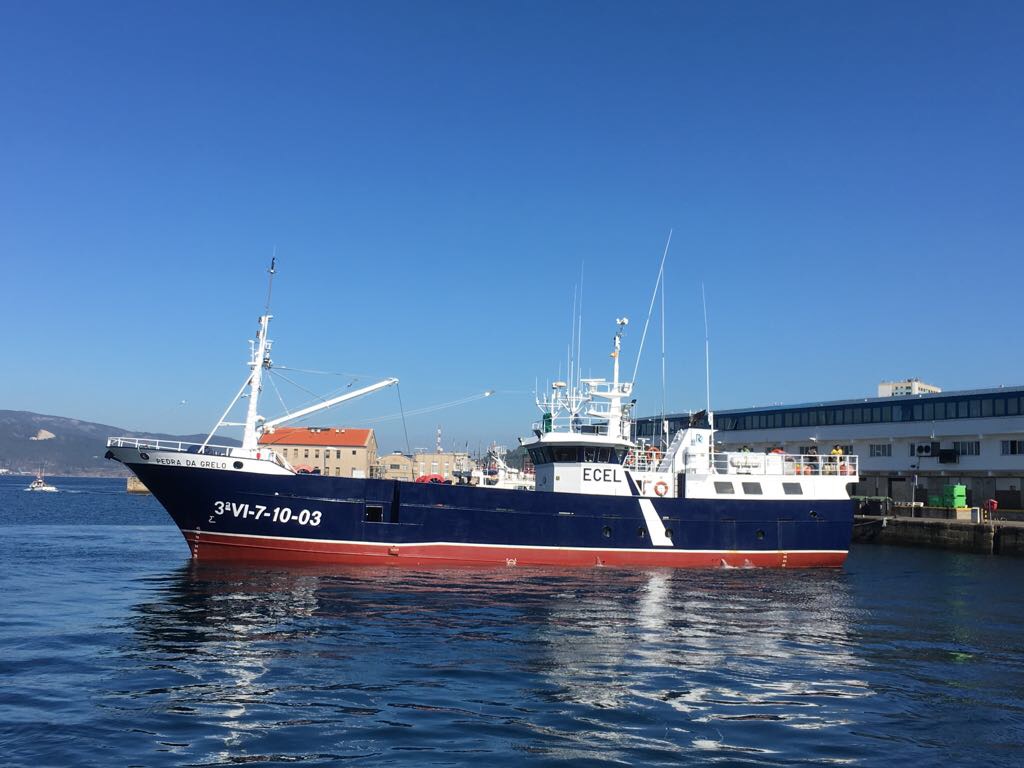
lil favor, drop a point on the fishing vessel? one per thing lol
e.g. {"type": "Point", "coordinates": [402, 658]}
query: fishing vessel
{"type": "Point", "coordinates": [39, 484]}
{"type": "Point", "coordinates": [600, 499]}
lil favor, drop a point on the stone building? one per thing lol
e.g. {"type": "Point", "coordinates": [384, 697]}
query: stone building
{"type": "Point", "coordinates": [401, 466]}
{"type": "Point", "coordinates": [334, 451]}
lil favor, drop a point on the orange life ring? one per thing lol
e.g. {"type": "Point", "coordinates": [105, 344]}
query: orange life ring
{"type": "Point", "coordinates": [661, 488]}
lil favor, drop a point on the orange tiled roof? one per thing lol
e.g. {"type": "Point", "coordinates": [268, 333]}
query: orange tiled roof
{"type": "Point", "coordinates": [331, 436]}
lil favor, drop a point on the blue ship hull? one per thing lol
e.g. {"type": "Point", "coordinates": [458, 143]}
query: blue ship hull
{"type": "Point", "coordinates": [310, 518]}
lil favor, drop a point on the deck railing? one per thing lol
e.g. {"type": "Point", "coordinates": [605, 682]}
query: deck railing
{"type": "Point", "coordinates": [170, 445]}
{"type": "Point", "coordinates": [744, 463]}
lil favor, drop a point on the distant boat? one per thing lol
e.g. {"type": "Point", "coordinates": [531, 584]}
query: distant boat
{"type": "Point", "coordinates": [41, 485]}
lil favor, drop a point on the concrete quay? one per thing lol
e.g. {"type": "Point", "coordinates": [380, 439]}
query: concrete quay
{"type": "Point", "coordinates": [999, 537]}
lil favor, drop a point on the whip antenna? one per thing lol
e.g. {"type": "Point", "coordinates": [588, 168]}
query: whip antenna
{"type": "Point", "coordinates": [270, 282]}
{"type": "Point", "coordinates": [707, 358]}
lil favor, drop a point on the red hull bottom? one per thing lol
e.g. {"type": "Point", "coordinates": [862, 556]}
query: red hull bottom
{"type": "Point", "coordinates": [211, 546]}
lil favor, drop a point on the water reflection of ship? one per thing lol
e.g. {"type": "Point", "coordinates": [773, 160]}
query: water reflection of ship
{"type": "Point", "coordinates": [716, 648]}
{"type": "Point", "coordinates": [709, 654]}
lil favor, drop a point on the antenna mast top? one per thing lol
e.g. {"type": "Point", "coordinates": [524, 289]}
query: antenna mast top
{"type": "Point", "coordinates": [270, 282]}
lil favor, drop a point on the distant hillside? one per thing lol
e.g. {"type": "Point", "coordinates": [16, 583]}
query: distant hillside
{"type": "Point", "coordinates": [30, 442]}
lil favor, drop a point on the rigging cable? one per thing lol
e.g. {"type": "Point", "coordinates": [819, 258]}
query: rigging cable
{"type": "Point", "coordinates": [405, 429]}
{"type": "Point", "coordinates": [278, 393]}
{"type": "Point", "coordinates": [650, 309]}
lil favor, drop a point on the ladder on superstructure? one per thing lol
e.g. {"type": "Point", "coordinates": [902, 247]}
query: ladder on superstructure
{"type": "Point", "coordinates": [666, 460]}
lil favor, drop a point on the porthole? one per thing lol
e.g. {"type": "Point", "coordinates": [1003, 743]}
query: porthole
{"type": "Point", "coordinates": [237, 465]}
{"type": "Point", "coordinates": [641, 532]}
{"type": "Point", "coordinates": [813, 513]}
{"type": "Point", "coordinates": [606, 532]}
{"type": "Point", "coordinates": [668, 532]}
{"type": "Point", "coordinates": [760, 535]}
{"type": "Point", "coordinates": [144, 456]}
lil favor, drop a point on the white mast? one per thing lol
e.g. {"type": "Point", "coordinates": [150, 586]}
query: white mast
{"type": "Point", "coordinates": [260, 360]}
{"type": "Point", "coordinates": [254, 425]}
{"type": "Point", "coordinates": [616, 392]}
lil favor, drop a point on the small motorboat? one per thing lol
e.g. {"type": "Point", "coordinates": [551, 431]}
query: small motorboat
{"type": "Point", "coordinates": [39, 484]}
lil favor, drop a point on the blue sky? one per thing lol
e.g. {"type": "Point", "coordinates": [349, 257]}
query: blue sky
{"type": "Point", "coordinates": [845, 178]}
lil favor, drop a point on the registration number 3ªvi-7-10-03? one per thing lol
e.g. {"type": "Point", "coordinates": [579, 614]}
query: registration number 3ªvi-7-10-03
{"type": "Point", "coordinates": [258, 511]}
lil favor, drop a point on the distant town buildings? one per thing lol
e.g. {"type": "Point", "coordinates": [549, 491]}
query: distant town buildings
{"type": "Point", "coordinates": [334, 451]}
{"type": "Point", "coordinates": [401, 466]}
{"type": "Point", "coordinates": [906, 387]}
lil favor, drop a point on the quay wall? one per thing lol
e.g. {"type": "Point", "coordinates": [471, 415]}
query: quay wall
{"type": "Point", "coordinates": [135, 485]}
{"type": "Point", "coordinates": [988, 538]}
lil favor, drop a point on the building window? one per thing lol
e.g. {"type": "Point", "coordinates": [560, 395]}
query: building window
{"type": "Point", "coordinates": [1012, 447]}
{"type": "Point", "coordinates": [395, 466]}
{"type": "Point", "coordinates": [724, 488]}
{"type": "Point", "coordinates": [337, 453]}
{"type": "Point", "coordinates": [305, 453]}
{"type": "Point", "coordinates": [752, 488]}
{"type": "Point", "coordinates": [316, 453]}
{"type": "Point", "coordinates": [880, 449]}
{"type": "Point", "coordinates": [967, 447]}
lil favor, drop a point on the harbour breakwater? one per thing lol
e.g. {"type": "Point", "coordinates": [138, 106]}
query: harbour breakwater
{"type": "Point", "coordinates": [987, 537]}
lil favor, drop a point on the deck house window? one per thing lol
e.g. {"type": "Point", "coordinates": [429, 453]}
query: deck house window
{"type": "Point", "coordinates": [724, 488]}
{"type": "Point", "coordinates": [753, 489]}
{"type": "Point", "coordinates": [563, 453]}
{"type": "Point", "coordinates": [793, 489]}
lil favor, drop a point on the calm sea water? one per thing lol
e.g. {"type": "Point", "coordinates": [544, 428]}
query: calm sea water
{"type": "Point", "coordinates": [116, 649]}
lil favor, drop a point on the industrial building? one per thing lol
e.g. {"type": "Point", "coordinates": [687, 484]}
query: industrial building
{"type": "Point", "coordinates": [910, 446]}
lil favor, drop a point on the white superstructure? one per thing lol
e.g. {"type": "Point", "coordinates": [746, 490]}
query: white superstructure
{"type": "Point", "coordinates": [583, 444]}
